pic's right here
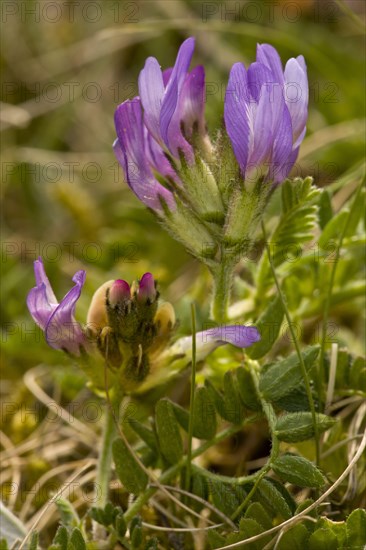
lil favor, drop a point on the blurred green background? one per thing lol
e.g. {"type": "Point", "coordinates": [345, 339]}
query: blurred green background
{"type": "Point", "coordinates": [66, 66]}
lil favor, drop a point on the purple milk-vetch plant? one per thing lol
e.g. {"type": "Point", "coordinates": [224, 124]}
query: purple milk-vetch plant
{"type": "Point", "coordinates": [211, 196]}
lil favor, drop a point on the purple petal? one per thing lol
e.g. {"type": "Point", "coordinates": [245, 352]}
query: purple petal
{"type": "Point", "coordinates": [296, 95]}
{"type": "Point", "coordinates": [282, 146]}
{"type": "Point", "coordinates": [268, 55]}
{"type": "Point", "coordinates": [174, 86]}
{"type": "Point", "coordinates": [41, 277]}
{"type": "Point", "coordinates": [151, 90]}
{"type": "Point", "coordinates": [192, 101]}
{"type": "Point", "coordinates": [41, 300]}
{"type": "Point", "coordinates": [39, 306]}
{"type": "Point", "coordinates": [240, 336]}
{"type": "Point", "coordinates": [300, 138]}
{"type": "Point", "coordinates": [259, 76]}
{"type": "Point", "coordinates": [285, 169]}
{"type": "Point", "coordinates": [62, 331]}
{"type": "Point", "coordinates": [236, 113]}
{"type": "Point", "coordinates": [301, 61]}
{"type": "Point", "coordinates": [130, 148]}
{"type": "Point", "coordinates": [263, 137]}
{"type": "Point", "coordinates": [167, 73]}
{"type": "Point", "coordinates": [157, 159]}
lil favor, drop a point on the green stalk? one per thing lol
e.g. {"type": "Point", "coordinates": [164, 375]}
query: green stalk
{"type": "Point", "coordinates": [297, 347]}
{"type": "Point", "coordinates": [271, 418]}
{"type": "Point", "coordinates": [222, 275]}
{"type": "Point", "coordinates": [105, 459]}
{"type": "Point", "coordinates": [191, 403]}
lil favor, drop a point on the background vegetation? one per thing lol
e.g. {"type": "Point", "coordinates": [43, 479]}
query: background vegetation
{"type": "Point", "coordinates": [66, 66]}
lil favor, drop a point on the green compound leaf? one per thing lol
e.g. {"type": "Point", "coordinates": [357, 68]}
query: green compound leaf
{"type": "Point", "coordinates": [204, 415]}
{"type": "Point", "coordinates": [270, 495]}
{"type": "Point", "coordinates": [356, 529]}
{"type": "Point", "coordinates": [233, 407]}
{"type": "Point", "coordinates": [295, 227]}
{"type": "Point", "coordinates": [129, 472]}
{"type": "Point", "coordinates": [147, 435]}
{"type": "Point", "coordinates": [282, 377]}
{"type": "Point", "coordinates": [257, 512]}
{"type": "Point", "coordinates": [76, 541]}
{"type": "Point", "coordinates": [298, 470]}
{"type": "Point", "coordinates": [268, 324]}
{"type": "Point", "coordinates": [246, 388]}
{"type": "Point", "coordinates": [294, 539]}
{"type": "Point", "coordinates": [323, 539]}
{"type": "Point", "coordinates": [167, 429]}
{"type": "Point", "coordinates": [248, 528]}
{"type": "Point", "coordinates": [293, 427]}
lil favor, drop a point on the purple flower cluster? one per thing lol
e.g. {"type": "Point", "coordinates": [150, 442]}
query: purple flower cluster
{"type": "Point", "coordinates": [265, 115]}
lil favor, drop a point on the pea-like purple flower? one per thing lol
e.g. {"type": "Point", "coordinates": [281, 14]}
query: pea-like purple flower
{"type": "Point", "coordinates": [125, 323]}
{"type": "Point", "coordinates": [55, 318]}
{"type": "Point", "coordinates": [154, 130]}
{"type": "Point", "coordinates": [266, 110]}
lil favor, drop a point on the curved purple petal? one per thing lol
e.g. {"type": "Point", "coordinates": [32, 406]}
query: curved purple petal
{"type": "Point", "coordinates": [157, 159]}
{"type": "Point", "coordinates": [296, 95]}
{"type": "Point", "coordinates": [151, 90]}
{"type": "Point", "coordinates": [62, 331]}
{"type": "Point", "coordinates": [167, 73]}
{"type": "Point", "coordinates": [41, 300]}
{"type": "Point", "coordinates": [282, 145]}
{"type": "Point", "coordinates": [192, 101]}
{"type": "Point", "coordinates": [236, 113]}
{"type": "Point", "coordinates": [285, 169]}
{"type": "Point", "coordinates": [39, 306]}
{"type": "Point", "coordinates": [240, 336]}
{"type": "Point", "coordinates": [262, 129]}
{"type": "Point", "coordinates": [268, 55]}
{"type": "Point", "coordinates": [259, 76]}
{"type": "Point", "coordinates": [174, 86]}
{"type": "Point", "coordinates": [41, 277]}
{"type": "Point", "coordinates": [130, 148]}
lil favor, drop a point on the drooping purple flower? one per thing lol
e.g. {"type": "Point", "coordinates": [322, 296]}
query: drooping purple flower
{"type": "Point", "coordinates": [265, 114]}
{"type": "Point", "coordinates": [57, 319]}
{"type": "Point", "coordinates": [159, 124]}
{"type": "Point", "coordinates": [173, 99]}
{"type": "Point", "coordinates": [130, 150]}
{"type": "Point", "coordinates": [240, 336]}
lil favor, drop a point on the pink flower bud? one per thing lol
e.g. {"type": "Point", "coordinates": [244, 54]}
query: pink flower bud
{"type": "Point", "coordinates": [119, 292]}
{"type": "Point", "coordinates": [147, 291]}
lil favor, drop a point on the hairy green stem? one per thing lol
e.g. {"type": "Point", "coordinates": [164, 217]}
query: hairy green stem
{"type": "Point", "coordinates": [105, 459]}
{"type": "Point", "coordinates": [297, 347]}
{"type": "Point", "coordinates": [191, 403]}
{"type": "Point", "coordinates": [223, 275]}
